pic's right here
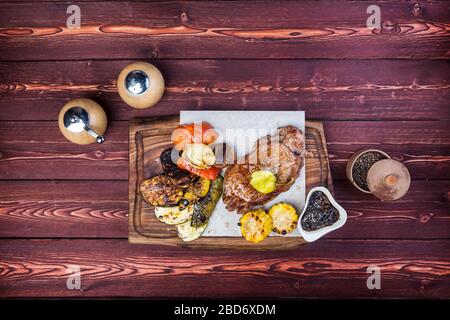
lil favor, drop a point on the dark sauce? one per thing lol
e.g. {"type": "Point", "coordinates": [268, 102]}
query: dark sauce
{"type": "Point", "coordinates": [319, 212]}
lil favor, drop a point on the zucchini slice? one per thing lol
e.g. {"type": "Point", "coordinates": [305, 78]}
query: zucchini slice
{"type": "Point", "coordinates": [187, 233]}
{"type": "Point", "coordinates": [204, 208]}
{"type": "Point", "coordinates": [174, 215]}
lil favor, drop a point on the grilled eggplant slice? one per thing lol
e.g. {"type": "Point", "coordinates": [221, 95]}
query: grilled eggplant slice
{"type": "Point", "coordinates": [166, 160]}
{"type": "Point", "coordinates": [205, 206]}
{"type": "Point", "coordinates": [161, 190]}
{"type": "Point", "coordinates": [173, 215]}
{"type": "Point", "coordinates": [284, 218]}
{"type": "Point", "coordinates": [170, 168]}
{"type": "Point", "coordinates": [186, 232]}
{"type": "Point", "coordinates": [256, 225]}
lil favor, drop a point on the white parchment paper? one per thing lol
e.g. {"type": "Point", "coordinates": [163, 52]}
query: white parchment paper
{"type": "Point", "coordinates": [223, 222]}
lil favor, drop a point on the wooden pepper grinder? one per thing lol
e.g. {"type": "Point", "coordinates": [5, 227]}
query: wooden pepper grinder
{"type": "Point", "coordinates": [388, 179]}
{"type": "Point", "coordinates": [140, 85]}
{"type": "Point", "coordinates": [82, 121]}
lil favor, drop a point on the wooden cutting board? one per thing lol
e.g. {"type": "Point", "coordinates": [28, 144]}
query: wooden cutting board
{"type": "Point", "coordinates": [148, 138]}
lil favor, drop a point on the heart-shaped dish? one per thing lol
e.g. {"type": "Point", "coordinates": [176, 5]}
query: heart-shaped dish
{"type": "Point", "coordinates": [311, 236]}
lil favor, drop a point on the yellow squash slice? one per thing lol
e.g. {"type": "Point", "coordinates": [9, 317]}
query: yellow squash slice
{"type": "Point", "coordinates": [174, 215]}
{"type": "Point", "coordinates": [284, 218]}
{"type": "Point", "coordinates": [263, 181]}
{"type": "Point", "coordinates": [186, 232]}
{"type": "Point", "coordinates": [197, 190]}
{"type": "Point", "coordinates": [256, 225]}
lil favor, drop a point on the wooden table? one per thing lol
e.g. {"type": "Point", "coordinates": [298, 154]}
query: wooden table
{"type": "Point", "coordinates": [63, 204]}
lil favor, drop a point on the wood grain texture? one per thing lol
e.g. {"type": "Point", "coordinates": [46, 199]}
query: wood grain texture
{"type": "Point", "coordinates": [67, 209]}
{"type": "Point", "coordinates": [316, 56]}
{"type": "Point", "coordinates": [326, 90]}
{"type": "Point", "coordinates": [37, 150]}
{"type": "Point", "coordinates": [113, 268]}
{"type": "Point", "coordinates": [99, 209]}
{"type": "Point", "coordinates": [149, 137]}
{"type": "Point", "coordinates": [246, 29]}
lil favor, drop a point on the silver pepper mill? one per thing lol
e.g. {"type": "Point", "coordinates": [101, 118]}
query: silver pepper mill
{"type": "Point", "coordinates": [76, 119]}
{"type": "Point", "coordinates": [83, 121]}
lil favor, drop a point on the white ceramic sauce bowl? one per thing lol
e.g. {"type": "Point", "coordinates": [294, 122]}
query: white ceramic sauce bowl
{"type": "Point", "coordinates": [311, 236]}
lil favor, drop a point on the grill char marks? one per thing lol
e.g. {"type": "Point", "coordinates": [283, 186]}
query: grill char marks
{"type": "Point", "coordinates": [282, 154]}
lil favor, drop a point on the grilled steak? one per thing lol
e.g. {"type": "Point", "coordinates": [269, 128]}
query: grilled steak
{"type": "Point", "coordinates": [281, 154]}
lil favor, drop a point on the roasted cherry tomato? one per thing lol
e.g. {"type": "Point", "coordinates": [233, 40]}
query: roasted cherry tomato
{"type": "Point", "coordinates": [211, 173]}
{"type": "Point", "coordinates": [201, 132]}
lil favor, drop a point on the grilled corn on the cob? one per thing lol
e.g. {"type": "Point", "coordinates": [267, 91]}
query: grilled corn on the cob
{"type": "Point", "coordinates": [256, 225]}
{"type": "Point", "coordinates": [284, 218]}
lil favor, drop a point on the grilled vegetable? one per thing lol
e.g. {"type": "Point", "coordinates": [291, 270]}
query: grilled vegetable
{"type": "Point", "coordinates": [205, 206]}
{"type": "Point", "coordinates": [201, 132]}
{"type": "Point", "coordinates": [195, 191]}
{"type": "Point", "coordinates": [187, 232]}
{"type": "Point", "coordinates": [199, 155]}
{"type": "Point", "coordinates": [182, 177]}
{"type": "Point", "coordinates": [161, 190]}
{"type": "Point", "coordinates": [173, 215]}
{"type": "Point", "coordinates": [166, 160]}
{"type": "Point", "coordinates": [211, 173]}
{"type": "Point", "coordinates": [256, 225]}
{"type": "Point", "coordinates": [263, 181]}
{"type": "Point", "coordinates": [284, 218]}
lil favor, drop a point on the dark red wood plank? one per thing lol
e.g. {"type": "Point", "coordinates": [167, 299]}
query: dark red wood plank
{"type": "Point", "coordinates": [37, 150]}
{"type": "Point", "coordinates": [69, 209]}
{"type": "Point", "coordinates": [328, 268]}
{"type": "Point", "coordinates": [341, 90]}
{"type": "Point", "coordinates": [241, 29]}
{"type": "Point", "coordinates": [96, 209]}
{"type": "Point", "coordinates": [326, 90]}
